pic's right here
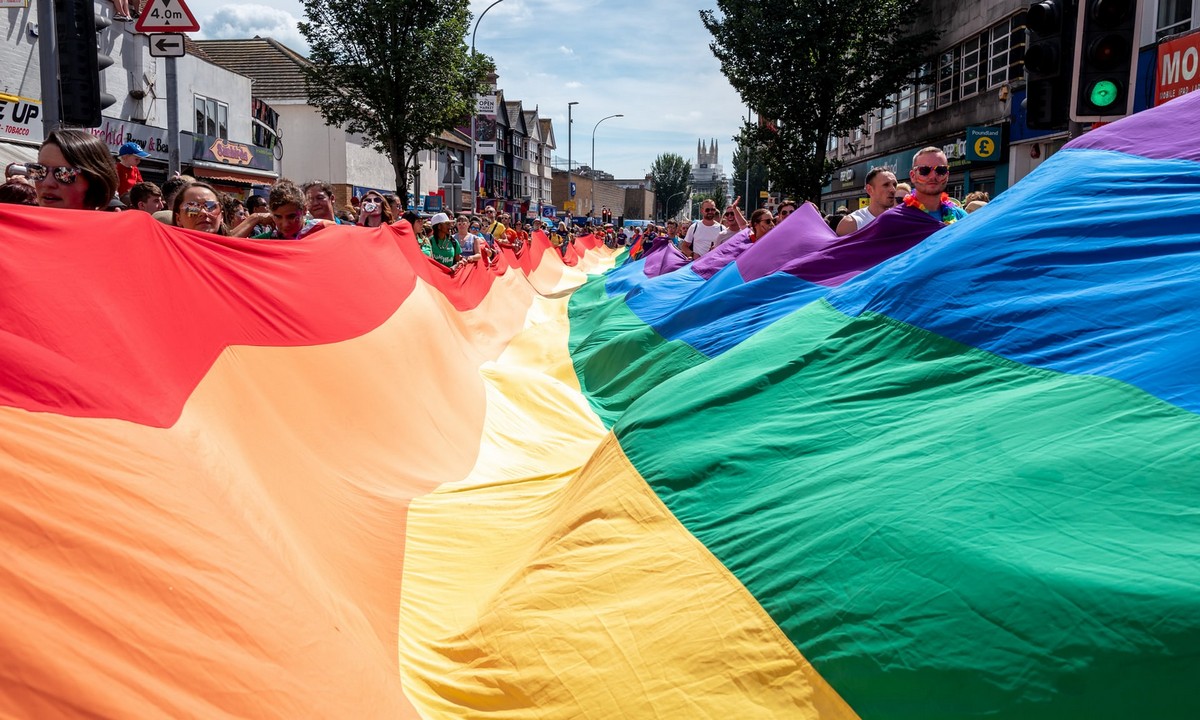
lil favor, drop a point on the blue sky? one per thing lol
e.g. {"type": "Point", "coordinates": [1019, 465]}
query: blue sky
{"type": "Point", "coordinates": [612, 56]}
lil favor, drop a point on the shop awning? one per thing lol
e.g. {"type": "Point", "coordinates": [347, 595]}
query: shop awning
{"type": "Point", "coordinates": [224, 174]}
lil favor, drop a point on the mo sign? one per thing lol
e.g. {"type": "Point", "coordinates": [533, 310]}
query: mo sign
{"type": "Point", "coordinates": [1178, 68]}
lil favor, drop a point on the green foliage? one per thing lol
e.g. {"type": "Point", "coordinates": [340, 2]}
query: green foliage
{"type": "Point", "coordinates": [815, 68]}
{"type": "Point", "coordinates": [398, 72]}
{"type": "Point", "coordinates": [748, 154]}
{"type": "Point", "coordinates": [672, 177]}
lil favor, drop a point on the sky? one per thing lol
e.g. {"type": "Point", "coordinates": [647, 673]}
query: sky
{"type": "Point", "coordinates": [654, 66]}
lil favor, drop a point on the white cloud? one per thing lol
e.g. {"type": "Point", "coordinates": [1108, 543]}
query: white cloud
{"type": "Point", "coordinates": [246, 21]}
{"type": "Point", "coordinates": [565, 50]}
{"type": "Point", "coordinates": [574, 84]}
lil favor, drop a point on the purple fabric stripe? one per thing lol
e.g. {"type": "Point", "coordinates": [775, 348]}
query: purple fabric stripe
{"type": "Point", "coordinates": [1168, 133]}
{"type": "Point", "coordinates": [663, 259]}
{"type": "Point", "coordinates": [893, 232]}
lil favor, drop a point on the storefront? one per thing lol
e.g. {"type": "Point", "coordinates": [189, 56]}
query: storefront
{"type": "Point", "coordinates": [20, 129]}
{"type": "Point", "coordinates": [238, 169]}
{"type": "Point", "coordinates": [154, 140]}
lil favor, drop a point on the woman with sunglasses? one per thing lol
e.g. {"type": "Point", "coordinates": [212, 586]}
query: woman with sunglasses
{"type": "Point", "coordinates": [198, 207]}
{"type": "Point", "coordinates": [472, 245]}
{"type": "Point", "coordinates": [761, 223]}
{"type": "Point", "coordinates": [374, 211]}
{"type": "Point", "coordinates": [74, 172]}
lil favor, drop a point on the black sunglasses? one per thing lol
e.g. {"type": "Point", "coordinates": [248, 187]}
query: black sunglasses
{"type": "Point", "coordinates": [64, 174]}
{"type": "Point", "coordinates": [924, 170]}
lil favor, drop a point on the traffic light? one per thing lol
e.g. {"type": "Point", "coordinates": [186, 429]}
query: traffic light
{"type": "Point", "coordinates": [1105, 60]}
{"type": "Point", "coordinates": [1048, 52]}
{"type": "Point", "coordinates": [80, 62]}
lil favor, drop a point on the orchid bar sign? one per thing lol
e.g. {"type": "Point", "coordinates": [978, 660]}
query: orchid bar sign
{"type": "Point", "coordinates": [226, 152]}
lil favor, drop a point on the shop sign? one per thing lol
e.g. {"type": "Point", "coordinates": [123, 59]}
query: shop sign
{"type": "Point", "coordinates": [220, 150]}
{"type": "Point", "coordinates": [983, 143]}
{"type": "Point", "coordinates": [20, 119]}
{"type": "Point", "coordinates": [116, 133]}
{"type": "Point", "coordinates": [485, 105]}
{"type": "Point", "coordinates": [1178, 67]}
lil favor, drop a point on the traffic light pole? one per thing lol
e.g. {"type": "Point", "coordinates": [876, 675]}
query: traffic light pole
{"type": "Point", "coordinates": [48, 59]}
{"type": "Point", "coordinates": [172, 118]}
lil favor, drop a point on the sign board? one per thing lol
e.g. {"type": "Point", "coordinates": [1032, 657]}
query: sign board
{"type": "Point", "coordinates": [20, 119]}
{"type": "Point", "coordinates": [983, 144]}
{"type": "Point", "coordinates": [219, 150]}
{"type": "Point", "coordinates": [166, 16]}
{"type": "Point", "coordinates": [485, 148]}
{"type": "Point", "coordinates": [485, 105]}
{"type": "Point", "coordinates": [166, 45]}
{"type": "Point", "coordinates": [14, 3]}
{"type": "Point", "coordinates": [115, 133]}
{"type": "Point", "coordinates": [1178, 67]}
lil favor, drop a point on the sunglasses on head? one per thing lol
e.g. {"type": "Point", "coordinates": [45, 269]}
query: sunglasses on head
{"type": "Point", "coordinates": [924, 170]}
{"type": "Point", "coordinates": [64, 174]}
{"type": "Point", "coordinates": [194, 207]}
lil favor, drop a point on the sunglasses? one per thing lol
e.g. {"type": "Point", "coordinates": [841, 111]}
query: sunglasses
{"type": "Point", "coordinates": [209, 206]}
{"type": "Point", "coordinates": [708, 210]}
{"type": "Point", "coordinates": [728, 214]}
{"type": "Point", "coordinates": [767, 221]}
{"type": "Point", "coordinates": [784, 213]}
{"type": "Point", "coordinates": [924, 170]}
{"type": "Point", "coordinates": [64, 174]}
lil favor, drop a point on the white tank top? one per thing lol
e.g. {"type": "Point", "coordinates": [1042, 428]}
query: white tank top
{"type": "Point", "coordinates": [863, 217]}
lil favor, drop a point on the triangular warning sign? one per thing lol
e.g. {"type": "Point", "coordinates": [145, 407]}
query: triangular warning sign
{"type": "Point", "coordinates": [166, 16]}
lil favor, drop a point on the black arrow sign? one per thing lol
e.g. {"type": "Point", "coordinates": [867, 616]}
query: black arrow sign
{"type": "Point", "coordinates": [163, 44]}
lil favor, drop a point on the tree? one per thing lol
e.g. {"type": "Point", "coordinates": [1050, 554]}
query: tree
{"type": "Point", "coordinates": [719, 197]}
{"type": "Point", "coordinates": [397, 72]}
{"type": "Point", "coordinates": [824, 67]}
{"type": "Point", "coordinates": [672, 177]}
{"type": "Point", "coordinates": [748, 157]}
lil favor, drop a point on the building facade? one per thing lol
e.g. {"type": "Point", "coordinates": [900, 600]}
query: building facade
{"type": "Point", "coordinates": [707, 173]}
{"type": "Point", "coordinates": [978, 91]}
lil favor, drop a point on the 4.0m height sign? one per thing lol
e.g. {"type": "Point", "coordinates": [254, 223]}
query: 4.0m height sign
{"type": "Point", "coordinates": [166, 16]}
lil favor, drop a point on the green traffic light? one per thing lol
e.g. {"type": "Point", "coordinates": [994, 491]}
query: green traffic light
{"type": "Point", "coordinates": [1103, 93]}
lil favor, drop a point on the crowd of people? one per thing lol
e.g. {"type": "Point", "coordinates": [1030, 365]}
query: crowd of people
{"type": "Point", "coordinates": [76, 171]}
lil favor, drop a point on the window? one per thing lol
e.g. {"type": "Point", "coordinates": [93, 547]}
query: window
{"type": "Point", "coordinates": [970, 68]}
{"type": "Point", "coordinates": [887, 115]}
{"type": "Point", "coordinates": [926, 83]}
{"type": "Point", "coordinates": [947, 74]}
{"type": "Point", "coordinates": [212, 118]}
{"type": "Point", "coordinates": [1174, 16]}
{"type": "Point", "coordinates": [906, 109]}
{"type": "Point", "coordinates": [998, 47]}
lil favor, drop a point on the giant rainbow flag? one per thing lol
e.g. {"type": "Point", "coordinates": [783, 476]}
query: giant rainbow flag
{"type": "Point", "coordinates": [903, 474]}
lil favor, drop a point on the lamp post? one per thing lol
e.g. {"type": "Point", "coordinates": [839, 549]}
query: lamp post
{"type": "Point", "coordinates": [667, 207]}
{"type": "Point", "coordinates": [592, 201]}
{"type": "Point", "coordinates": [569, 122]}
{"type": "Point", "coordinates": [474, 109]}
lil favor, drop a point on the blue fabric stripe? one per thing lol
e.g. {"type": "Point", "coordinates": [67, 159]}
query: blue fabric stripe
{"type": "Point", "coordinates": [1087, 266]}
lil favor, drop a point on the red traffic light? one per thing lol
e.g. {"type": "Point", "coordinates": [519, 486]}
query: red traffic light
{"type": "Point", "coordinates": [1107, 14]}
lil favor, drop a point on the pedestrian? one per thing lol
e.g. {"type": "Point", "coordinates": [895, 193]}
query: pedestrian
{"type": "Point", "coordinates": [374, 210]}
{"type": "Point", "coordinates": [129, 156]}
{"type": "Point", "coordinates": [198, 207]}
{"type": "Point", "coordinates": [880, 186]}
{"type": "Point", "coordinates": [74, 171]}
{"type": "Point", "coordinates": [929, 175]}
{"type": "Point", "coordinates": [445, 249]}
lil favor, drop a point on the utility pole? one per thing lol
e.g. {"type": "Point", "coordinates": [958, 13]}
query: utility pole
{"type": "Point", "coordinates": [570, 197]}
{"type": "Point", "coordinates": [48, 59]}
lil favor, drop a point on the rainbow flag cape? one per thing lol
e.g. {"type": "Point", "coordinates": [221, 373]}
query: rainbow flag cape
{"type": "Point", "coordinates": [902, 474]}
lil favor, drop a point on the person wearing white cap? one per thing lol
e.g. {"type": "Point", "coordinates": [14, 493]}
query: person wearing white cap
{"type": "Point", "coordinates": [446, 249]}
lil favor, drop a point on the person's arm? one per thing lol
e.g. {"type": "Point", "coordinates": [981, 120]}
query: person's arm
{"type": "Point", "coordinates": [737, 213]}
{"type": "Point", "coordinates": [847, 225]}
{"type": "Point", "coordinates": [686, 246]}
{"type": "Point", "coordinates": [246, 227]}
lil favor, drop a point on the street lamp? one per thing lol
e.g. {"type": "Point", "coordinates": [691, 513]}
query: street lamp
{"type": "Point", "coordinates": [667, 207]}
{"type": "Point", "coordinates": [474, 160]}
{"type": "Point", "coordinates": [592, 201]}
{"type": "Point", "coordinates": [569, 121]}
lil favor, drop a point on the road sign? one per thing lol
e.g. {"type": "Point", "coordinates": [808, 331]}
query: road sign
{"type": "Point", "coordinates": [166, 16]}
{"type": "Point", "coordinates": [166, 45]}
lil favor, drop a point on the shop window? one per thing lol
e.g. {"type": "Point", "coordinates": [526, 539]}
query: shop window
{"type": "Point", "coordinates": [212, 118]}
{"type": "Point", "coordinates": [970, 68]}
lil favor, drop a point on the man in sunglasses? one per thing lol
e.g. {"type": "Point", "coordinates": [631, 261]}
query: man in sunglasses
{"type": "Point", "coordinates": [881, 188]}
{"type": "Point", "coordinates": [929, 175]}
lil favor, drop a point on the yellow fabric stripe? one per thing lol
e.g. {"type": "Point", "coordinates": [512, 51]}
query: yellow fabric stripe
{"type": "Point", "coordinates": [553, 583]}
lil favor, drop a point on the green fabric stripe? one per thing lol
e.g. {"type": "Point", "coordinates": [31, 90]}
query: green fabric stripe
{"type": "Point", "coordinates": [944, 533]}
{"type": "Point", "coordinates": [617, 357]}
